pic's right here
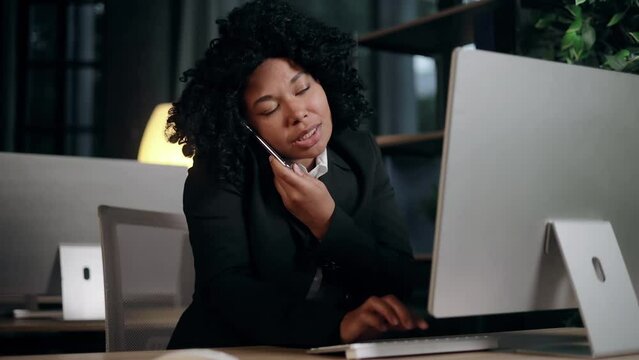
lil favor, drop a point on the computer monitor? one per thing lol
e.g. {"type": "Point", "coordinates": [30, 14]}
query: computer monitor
{"type": "Point", "coordinates": [527, 142]}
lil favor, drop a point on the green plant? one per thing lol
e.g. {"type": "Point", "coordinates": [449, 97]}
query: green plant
{"type": "Point", "coordinates": [601, 33]}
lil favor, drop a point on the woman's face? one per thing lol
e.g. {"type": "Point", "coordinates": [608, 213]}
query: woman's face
{"type": "Point", "coordinates": [289, 109]}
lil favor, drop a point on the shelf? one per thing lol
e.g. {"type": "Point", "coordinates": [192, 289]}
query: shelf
{"type": "Point", "coordinates": [426, 144]}
{"type": "Point", "coordinates": [434, 33]}
{"type": "Point", "coordinates": [385, 141]}
{"type": "Point", "coordinates": [538, 4]}
{"type": "Point", "coordinates": [423, 257]}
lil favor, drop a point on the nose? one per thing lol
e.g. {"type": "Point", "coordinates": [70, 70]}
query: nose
{"type": "Point", "coordinates": [296, 112]}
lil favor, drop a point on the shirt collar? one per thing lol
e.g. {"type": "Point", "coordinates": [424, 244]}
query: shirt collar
{"type": "Point", "coordinates": [321, 165]}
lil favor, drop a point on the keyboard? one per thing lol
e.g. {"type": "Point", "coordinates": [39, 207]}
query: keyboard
{"type": "Point", "coordinates": [413, 346]}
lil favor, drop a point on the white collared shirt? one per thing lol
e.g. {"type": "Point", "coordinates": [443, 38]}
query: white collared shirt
{"type": "Point", "coordinates": [321, 165]}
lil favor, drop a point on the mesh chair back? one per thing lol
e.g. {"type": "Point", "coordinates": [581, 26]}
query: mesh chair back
{"type": "Point", "coordinates": [148, 276]}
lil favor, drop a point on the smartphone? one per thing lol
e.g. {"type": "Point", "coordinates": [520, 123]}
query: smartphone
{"type": "Point", "coordinates": [287, 163]}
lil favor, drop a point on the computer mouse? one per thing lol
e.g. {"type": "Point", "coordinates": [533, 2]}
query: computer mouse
{"type": "Point", "coordinates": [195, 354]}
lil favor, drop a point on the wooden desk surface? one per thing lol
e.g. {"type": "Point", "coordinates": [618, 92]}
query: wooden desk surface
{"type": "Point", "coordinates": [275, 353]}
{"type": "Point", "coordinates": [49, 325]}
{"type": "Point", "coordinates": [159, 317]}
{"type": "Point", "coordinates": [280, 353]}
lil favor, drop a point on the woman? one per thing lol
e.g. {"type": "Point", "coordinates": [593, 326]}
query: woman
{"type": "Point", "coordinates": [285, 257]}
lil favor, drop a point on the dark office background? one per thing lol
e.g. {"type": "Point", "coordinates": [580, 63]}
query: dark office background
{"type": "Point", "coordinates": [81, 77]}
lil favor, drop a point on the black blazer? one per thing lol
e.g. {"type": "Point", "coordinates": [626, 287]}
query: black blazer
{"type": "Point", "coordinates": [254, 262]}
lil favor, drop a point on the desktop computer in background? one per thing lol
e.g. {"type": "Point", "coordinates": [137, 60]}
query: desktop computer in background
{"type": "Point", "coordinates": [539, 196]}
{"type": "Point", "coordinates": [82, 282]}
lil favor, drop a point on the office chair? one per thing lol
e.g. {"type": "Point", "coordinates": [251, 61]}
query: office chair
{"type": "Point", "coordinates": [148, 276]}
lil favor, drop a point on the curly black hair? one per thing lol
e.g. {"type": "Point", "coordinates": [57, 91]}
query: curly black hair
{"type": "Point", "coordinates": [207, 117]}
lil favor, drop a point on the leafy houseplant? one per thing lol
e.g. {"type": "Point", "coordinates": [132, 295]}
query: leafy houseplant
{"type": "Point", "coordinates": [599, 33]}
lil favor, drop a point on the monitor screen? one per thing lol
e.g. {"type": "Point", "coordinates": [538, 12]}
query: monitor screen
{"type": "Point", "coordinates": [528, 141]}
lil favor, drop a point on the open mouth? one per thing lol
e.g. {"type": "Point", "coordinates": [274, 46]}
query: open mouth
{"type": "Point", "coordinates": [309, 138]}
{"type": "Point", "coordinates": [308, 134]}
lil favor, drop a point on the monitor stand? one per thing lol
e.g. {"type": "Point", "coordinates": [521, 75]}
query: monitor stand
{"type": "Point", "coordinates": [607, 301]}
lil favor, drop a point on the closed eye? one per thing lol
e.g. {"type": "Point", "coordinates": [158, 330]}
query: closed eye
{"type": "Point", "coordinates": [269, 112]}
{"type": "Point", "coordinates": [300, 92]}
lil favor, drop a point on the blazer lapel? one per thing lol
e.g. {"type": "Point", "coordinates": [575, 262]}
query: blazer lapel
{"type": "Point", "coordinates": [359, 159]}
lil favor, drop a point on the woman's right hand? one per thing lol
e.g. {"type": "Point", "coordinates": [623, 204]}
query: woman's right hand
{"type": "Point", "coordinates": [304, 196]}
{"type": "Point", "coordinates": [376, 316]}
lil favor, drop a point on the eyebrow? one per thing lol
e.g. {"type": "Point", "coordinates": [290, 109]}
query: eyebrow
{"type": "Point", "coordinates": [297, 76]}
{"type": "Point", "coordinates": [269, 97]}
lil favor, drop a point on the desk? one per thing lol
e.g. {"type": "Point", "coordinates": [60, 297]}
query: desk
{"type": "Point", "coordinates": [49, 325]}
{"type": "Point", "coordinates": [280, 353]}
{"type": "Point", "coordinates": [50, 336]}
{"type": "Point", "coordinates": [275, 353]}
{"type": "Point", "coordinates": [153, 317]}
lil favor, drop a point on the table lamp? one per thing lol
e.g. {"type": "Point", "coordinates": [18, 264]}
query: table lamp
{"type": "Point", "coordinates": [154, 147]}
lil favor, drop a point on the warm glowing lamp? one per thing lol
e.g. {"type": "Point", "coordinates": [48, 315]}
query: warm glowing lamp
{"type": "Point", "coordinates": [154, 147]}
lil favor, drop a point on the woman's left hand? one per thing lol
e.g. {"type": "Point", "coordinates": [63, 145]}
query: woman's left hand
{"type": "Point", "coordinates": [305, 197]}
